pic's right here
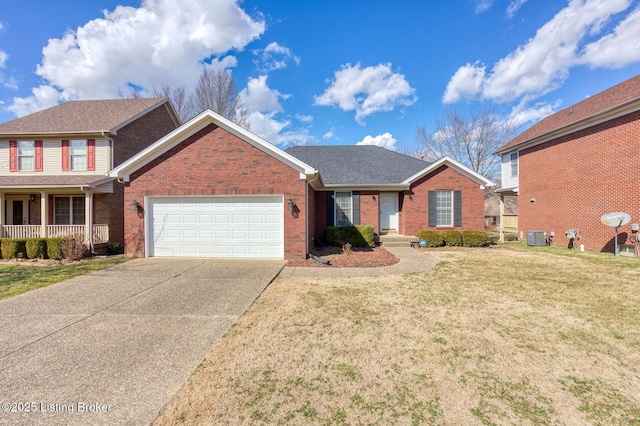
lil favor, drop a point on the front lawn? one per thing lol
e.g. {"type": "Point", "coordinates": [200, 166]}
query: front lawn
{"type": "Point", "coordinates": [20, 278]}
{"type": "Point", "coordinates": [489, 336]}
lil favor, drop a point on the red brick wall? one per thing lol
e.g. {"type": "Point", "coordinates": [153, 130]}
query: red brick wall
{"type": "Point", "coordinates": [311, 222]}
{"type": "Point", "coordinates": [577, 178]}
{"type": "Point", "coordinates": [214, 162]}
{"type": "Point", "coordinates": [414, 210]}
{"type": "Point", "coordinates": [369, 210]}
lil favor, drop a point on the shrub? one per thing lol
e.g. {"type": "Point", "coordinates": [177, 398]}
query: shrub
{"type": "Point", "coordinates": [53, 248]}
{"type": "Point", "coordinates": [115, 248]}
{"type": "Point", "coordinates": [36, 248]}
{"type": "Point", "coordinates": [357, 236]}
{"type": "Point", "coordinates": [433, 238]}
{"type": "Point", "coordinates": [474, 238]}
{"type": "Point", "coordinates": [11, 248]}
{"type": "Point", "coordinates": [73, 248]}
{"type": "Point", "coordinates": [510, 236]}
{"type": "Point", "coordinates": [452, 238]}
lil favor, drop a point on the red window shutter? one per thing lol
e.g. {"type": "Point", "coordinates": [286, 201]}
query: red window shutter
{"type": "Point", "coordinates": [65, 155]}
{"type": "Point", "coordinates": [13, 156]}
{"type": "Point", "coordinates": [91, 155]}
{"type": "Point", "coordinates": [38, 156]}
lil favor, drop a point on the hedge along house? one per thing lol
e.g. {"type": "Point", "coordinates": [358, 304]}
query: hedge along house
{"type": "Point", "coordinates": [53, 166]}
{"type": "Point", "coordinates": [213, 189]}
{"type": "Point", "coordinates": [576, 165]}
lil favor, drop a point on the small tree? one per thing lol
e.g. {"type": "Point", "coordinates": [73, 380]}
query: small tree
{"type": "Point", "coordinates": [471, 140]}
{"type": "Point", "coordinates": [179, 100]}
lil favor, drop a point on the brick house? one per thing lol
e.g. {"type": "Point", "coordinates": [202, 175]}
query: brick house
{"type": "Point", "coordinates": [213, 189]}
{"type": "Point", "coordinates": [53, 166]}
{"type": "Point", "coordinates": [576, 165]}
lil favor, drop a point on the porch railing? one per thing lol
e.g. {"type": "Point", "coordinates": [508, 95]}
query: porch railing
{"type": "Point", "coordinates": [100, 231]}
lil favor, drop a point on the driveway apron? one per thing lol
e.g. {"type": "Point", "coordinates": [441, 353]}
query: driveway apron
{"type": "Point", "coordinates": [113, 346]}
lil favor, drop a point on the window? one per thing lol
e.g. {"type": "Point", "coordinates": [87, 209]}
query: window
{"type": "Point", "coordinates": [444, 208]}
{"type": "Point", "coordinates": [78, 154]}
{"type": "Point", "coordinates": [514, 164]}
{"type": "Point", "coordinates": [69, 211]}
{"type": "Point", "coordinates": [26, 156]}
{"type": "Point", "coordinates": [344, 209]}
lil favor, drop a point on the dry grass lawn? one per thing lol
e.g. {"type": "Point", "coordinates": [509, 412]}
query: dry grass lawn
{"type": "Point", "coordinates": [489, 336]}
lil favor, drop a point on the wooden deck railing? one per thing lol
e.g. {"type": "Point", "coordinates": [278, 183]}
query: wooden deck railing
{"type": "Point", "coordinates": [100, 231]}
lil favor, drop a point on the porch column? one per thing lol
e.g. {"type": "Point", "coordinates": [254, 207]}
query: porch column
{"type": "Point", "coordinates": [501, 218]}
{"type": "Point", "coordinates": [88, 218]}
{"type": "Point", "coordinates": [44, 214]}
{"type": "Point", "coordinates": [2, 218]}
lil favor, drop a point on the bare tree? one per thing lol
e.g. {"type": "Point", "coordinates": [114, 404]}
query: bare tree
{"type": "Point", "coordinates": [471, 140]}
{"type": "Point", "coordinates": [130, 93]}
{"type": "Point", "coordinates": [216, 90]}
{"type": "Point", "coordinates": [179, 101]}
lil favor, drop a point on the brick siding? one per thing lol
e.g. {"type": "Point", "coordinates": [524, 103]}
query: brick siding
{"type": "Point", "coordinates": [579, 177]}
{"type": "Point", "coordinates": [215, 162]}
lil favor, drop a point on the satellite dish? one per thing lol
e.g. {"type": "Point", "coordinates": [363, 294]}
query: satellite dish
{"type": "Point", "coordinates": [615, 219]}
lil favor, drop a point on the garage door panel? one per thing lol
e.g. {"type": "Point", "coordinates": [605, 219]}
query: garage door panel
{"type": "Point", "coordinates": [217, 227]}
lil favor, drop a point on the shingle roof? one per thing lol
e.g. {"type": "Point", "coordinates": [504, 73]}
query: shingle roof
{"type": "Point", "coordinates": [358, 164]}
{"type": "Point", "coordinates": [80, 116]}
{"type": "Point", "coordinates": [616, 96]}
{"type": "Point", "coordinates": [42, 181]}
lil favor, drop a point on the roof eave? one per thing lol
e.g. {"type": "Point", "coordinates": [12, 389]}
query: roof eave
{"type": "Point", "coordinates": [590, 121]}
{"type": "Point", "coordinates": [450, 162]}
{"type": "Point", "coordinates": [368, 186]}
{"type": "Point", "coordinates": [50, 134]}
{"type": "Point", "coordinates": [130, 120]}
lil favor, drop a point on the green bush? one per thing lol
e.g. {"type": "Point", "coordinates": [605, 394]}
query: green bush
{"type": "Point", "coordinates": [53, 248]}
{"type": "Point", "coordinates": [36, 248]}
{"type": "Point", "coordinates": [357, 236]}
{"type": "Point", "coordinates": [11, 248]}
{"type": "Point", "coordinates": [474, 238]}
{"type": "Point", "coordinates": [433, 238]}
{"type": "Point", "coordinates": [510, 236]}
{"type": "Point", "coordinates": [452, 238]}
{"type": "Point", "coordinates": [115, 248]}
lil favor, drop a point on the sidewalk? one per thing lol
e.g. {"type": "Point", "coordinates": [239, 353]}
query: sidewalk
{"type": "Point", "coordinates": [411, 260]}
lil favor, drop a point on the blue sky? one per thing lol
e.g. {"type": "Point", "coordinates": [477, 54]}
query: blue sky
{"type": "Point", "coordinates": [325, 72]}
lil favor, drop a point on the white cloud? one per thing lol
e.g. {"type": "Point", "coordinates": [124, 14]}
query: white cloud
{"type": "Point", "coordinates": [514, 6]}
{"type": "Point", "coordinates": [385, 140]}
{"type": "Point", "coordinates": [617, 49]}
{"type": "Point", "coordinates": [522, 114]}
{"type": "Point", "coordinates": [483, 5]}
{"type": "Point", "coordinates": [543, 62]}
{"type": "Point", "coordinates": [367, 90]}
{"type": "Point", "coordinates": [304, 118]}
{"type": "Point", "coordinates": [42, 97]}
{"type": "Point", "coordinates": [3, 59]}
{"type": "Point", "coordinates": [158, 44]}
{"type": "Point", "coordinates": [275, 57]}
{"type": "Point", "coordinates": [258, 97]}
{"type": "Point", "coordinates": [330, 134]}
{"type": "Point", "coordinates": [278, 132]}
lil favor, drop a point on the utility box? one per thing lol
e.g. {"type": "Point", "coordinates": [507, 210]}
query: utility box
{"type": "Point", "coordinates": [536, 238]}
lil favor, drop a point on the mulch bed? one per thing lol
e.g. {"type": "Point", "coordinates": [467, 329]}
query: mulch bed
{"type": "Point", "coordinates": [357, 258]}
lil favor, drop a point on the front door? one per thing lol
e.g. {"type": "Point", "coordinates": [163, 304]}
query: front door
{"type": "Point", "coordinates": [18, 211]}
{"type": "Point", "coordinates": [388, 212]}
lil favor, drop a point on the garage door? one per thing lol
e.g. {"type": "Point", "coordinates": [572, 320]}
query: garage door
{"type": "Point", "coordinates": [217, 227]}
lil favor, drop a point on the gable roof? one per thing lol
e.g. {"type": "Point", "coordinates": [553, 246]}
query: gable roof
{"type": "Point", "coordinates": [615, 101]}
{"type": "Point", "coordinates": [358, 164]}
{"type": "Point", "coordinates": [193, 126]}
{"type": "Point", "coordinates": [373, 167]}
{"type": "Point", "coordinates": [84, 117]}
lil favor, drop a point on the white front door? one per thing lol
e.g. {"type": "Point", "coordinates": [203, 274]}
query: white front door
{"type": "Point", "coordinates": [388, 211]}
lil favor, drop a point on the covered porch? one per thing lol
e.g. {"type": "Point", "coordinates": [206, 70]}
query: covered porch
{"type": "Point", "coordinates": [32, 209]}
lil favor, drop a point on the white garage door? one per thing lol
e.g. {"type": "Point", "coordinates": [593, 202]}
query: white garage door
{"type": "Point", "coordinates": [217, 227]}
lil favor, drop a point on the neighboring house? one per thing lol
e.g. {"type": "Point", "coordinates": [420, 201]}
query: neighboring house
{"type": "Point", "coordinates": [53, 166]}
{"type": "Point", "coordinates": [213, 189]}
{"type": "Point", "coordinates": [576, 165]}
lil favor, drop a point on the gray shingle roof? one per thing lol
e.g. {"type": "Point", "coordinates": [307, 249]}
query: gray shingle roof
{"type": "Point", "coordinates": [80, 116]}
{"type": "Point", "coordinates": [358, 164]}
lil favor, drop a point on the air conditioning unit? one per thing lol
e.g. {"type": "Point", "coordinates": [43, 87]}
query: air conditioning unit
{"type": "Point", "coordinates": [536, 238]}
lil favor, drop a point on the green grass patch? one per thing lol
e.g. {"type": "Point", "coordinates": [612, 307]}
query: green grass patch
{"type": "Point", "coordinates": [18, 279]}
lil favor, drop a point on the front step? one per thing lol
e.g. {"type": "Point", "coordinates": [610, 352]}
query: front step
{"type": "Point", "coordinates": [396, 240]}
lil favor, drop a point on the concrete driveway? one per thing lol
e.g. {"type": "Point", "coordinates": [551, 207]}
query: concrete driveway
{"type": "Point", "coordinates": [112, 347]}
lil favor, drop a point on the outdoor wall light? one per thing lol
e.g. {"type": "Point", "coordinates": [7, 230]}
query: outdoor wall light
{"type": "Point", "coordinates": [32, 198]}
{"type": "Point", "coordinates": [291, 204]}
{"type": "Point", "coordinates": [135, 205]}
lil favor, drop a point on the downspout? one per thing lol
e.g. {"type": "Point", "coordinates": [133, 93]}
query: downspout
{"type": "Point", "coordinates": [111, 148]}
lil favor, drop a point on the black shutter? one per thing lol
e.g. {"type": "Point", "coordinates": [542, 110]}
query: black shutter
{"type": "Point", "coordinates": [457, 208]}
{"type": "Point", "coordinates": [330, 209]}
{"type": "Point", "coordinates": [433, 216]}
{"type": "Point", "coordinates": [355, 199]}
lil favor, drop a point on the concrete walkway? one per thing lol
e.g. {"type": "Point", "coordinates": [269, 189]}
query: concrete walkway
{"type": "Point", "coordinates": [114, 346]}
{"type": "Point", "coordinates": [411, 260]}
